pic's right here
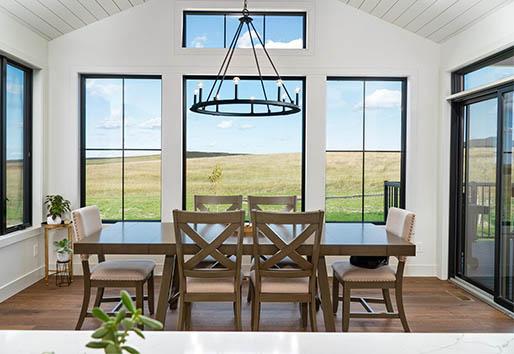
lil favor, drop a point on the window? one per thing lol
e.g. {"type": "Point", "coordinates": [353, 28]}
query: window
{"type": "Point", "coordinates": [15, 146]}
{"type": "Point", "coordinates": [365, 148]}
{"type": "Point", "coordinates": [242, 156]}
{"type": "Point", "coordinates": [121, 146]}
{"type": "Point", "coordinates": [214, 29]}
{"type": "Point", "coordinates": [484, 72]}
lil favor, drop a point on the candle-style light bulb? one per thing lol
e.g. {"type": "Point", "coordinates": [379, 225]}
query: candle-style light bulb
{"type": "Point", "coordinates": [200, 90]}
{"type": "Point", "coordinates": [251, 105]}
{"type": "Point", "coordinates": [196, 95]}
{"type": "Point", "coordinates": [284, 97]}
{"type": "Point", "coordinates": [297, 90]}
{"type": "Point", "coordinates": [236, 84]}
{"type": "Point", "coordinates": [279, 89]}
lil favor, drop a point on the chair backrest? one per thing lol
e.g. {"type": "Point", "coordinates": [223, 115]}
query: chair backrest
{"type": "Point", "coordinates": [401, 223]}
{"type": "Point", "coordinates": [203, 202]}
{"type": "Point", "coordinates": [86, 222]}
{"type": "Point", "coordinates": [288, 202]}
{"type": "Point", "coordinates": [208, 231]}
{"type": "Point", "coordinates": [287, 232]}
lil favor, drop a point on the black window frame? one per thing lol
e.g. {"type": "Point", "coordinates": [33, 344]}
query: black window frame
{"type": "Point", "coordinates": [226, 14]}
{"type": "Point", "coordinates": [84, 149]}
{"type": "Point", "coordinates": [457, 77]}
{"type": "Point", "coordinates": [185, 78]}
{"type": "Point", "coordinates": [27, 147]}
{"type": "Point", "coordinates": [403, 144]}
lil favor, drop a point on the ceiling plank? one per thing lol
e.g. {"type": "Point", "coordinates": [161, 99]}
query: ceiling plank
{"type": "Point", "coordinates": [413, 12]}
{"type": "Point", "coordinates": [399, 8]}
{"type": "Point", "coordinates": [471, 16]}
{"type": "Point", "coordinates": [123, 4]}
{"type": "Point", "coordinates": [429, 14]}
{"type": "Point", "coordinates": [369, 5]}
{"type": "Point", "coordinates": [356, 3]}
{"type": "Point", "coordinates": [110, 6]}
{"type": "Point", "coordinates": [383, 7]}
{"type": "Point", "coordinates": [28, 17]}
{"type": "Point", "coordinates": [46, 14]}
{"type": "Point", "coordinates": [94, 8]}
{"type": "Point", "coordinates": [79, 10]}
{"type": "Point", "coordinates": [64, 13]}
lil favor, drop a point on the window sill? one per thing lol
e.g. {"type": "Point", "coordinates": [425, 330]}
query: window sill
{"type": "Point", "coordinates": [18, 236]}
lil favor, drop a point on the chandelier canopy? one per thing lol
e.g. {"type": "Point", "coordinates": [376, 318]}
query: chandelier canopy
{"type": "Point", "coordinates": [245, 107]}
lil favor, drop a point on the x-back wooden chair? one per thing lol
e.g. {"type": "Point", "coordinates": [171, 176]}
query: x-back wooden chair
{"type": "Point", "coordinates": [265, 203]}
{"type": "Point", "coordinates": [287, 232]}
{"type": "Point", "coordinates": [112, 273]}
{"type": "Point", "coordinates": [399, 223]}
{"type": "Point", "coordinates": [206, 202]}
{"type": "Point", "coordinates": [199, 284]}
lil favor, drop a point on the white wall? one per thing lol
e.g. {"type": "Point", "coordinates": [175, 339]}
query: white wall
{"type": "Point", "coordinates": [489, 36]}
{"type": "Point", "coordinates": [20, 266]}
{"type": "Point", "coordinates": [341, 41]}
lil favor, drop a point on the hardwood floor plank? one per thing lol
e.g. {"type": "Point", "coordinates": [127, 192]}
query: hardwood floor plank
{"type": "Point", "coordinates": [432, 305]}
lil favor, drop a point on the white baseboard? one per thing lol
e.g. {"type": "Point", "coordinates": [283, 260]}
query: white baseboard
{"type": "Point", "coordinates": [17, 285]}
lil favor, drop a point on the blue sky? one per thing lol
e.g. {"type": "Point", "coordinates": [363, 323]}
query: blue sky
{"type": "Point", "coordinates": [15, 99]}
{"type": "Point", "coordinates": [206, 31]}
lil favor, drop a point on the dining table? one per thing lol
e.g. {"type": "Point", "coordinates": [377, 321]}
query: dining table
{"type": "Point", "coordinates": [158, 238]}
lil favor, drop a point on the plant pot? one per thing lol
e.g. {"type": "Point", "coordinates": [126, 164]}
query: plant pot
{"type": "Point", "coordinates": [63, 257]}
{"type": "Point", "coordinates": [51, 221]}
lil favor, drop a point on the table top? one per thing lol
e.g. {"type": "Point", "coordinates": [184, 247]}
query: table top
{"type": "Point", "coordinates": [159, 238]}
{"type": "Point", "coordinates": [73, 342]}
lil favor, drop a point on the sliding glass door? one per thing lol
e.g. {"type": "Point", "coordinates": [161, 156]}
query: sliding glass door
{"type": "Point", "coordinates": [506, 237]}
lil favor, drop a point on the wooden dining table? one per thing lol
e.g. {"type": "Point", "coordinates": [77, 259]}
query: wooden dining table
{"type": "Point", "coordinates": [155, 238]}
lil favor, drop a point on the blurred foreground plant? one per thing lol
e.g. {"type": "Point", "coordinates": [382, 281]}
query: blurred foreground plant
{"type": "Point", "coordinates": [112, 335]}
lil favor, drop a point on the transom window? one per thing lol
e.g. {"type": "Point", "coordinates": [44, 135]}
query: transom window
{"type": "Point", "coordinates": [15, 146]}
{"type": "Point", "coordinates": [121, 146]}
{"type": "Point", "coordinates": [365, 172]}
{"type": "Point", "coordinates": [215, 29]}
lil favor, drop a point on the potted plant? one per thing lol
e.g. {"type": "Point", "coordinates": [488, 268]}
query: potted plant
{"type": "Point", "coordinates": [57, 207]}
{"type": "Point", "coordinates": [63, 250]}
{"type": "Point", "coordinates": [113, 333]}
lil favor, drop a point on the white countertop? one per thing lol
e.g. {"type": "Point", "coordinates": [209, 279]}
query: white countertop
{"type": "Point", "coordinates": [71, 342]}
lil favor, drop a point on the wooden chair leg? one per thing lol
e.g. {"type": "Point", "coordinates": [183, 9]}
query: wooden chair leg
{"type": "Point", "coordinates": [401, 310]}
{"type": "Point", "coordinates": [387, 300]}
{"type": "Point", "coordinates": [312, 312]}
{"type": "Point", "coordinates": [346, 307]}
{"type": "Point", "coordinates": [151, 294]}
{"type": "Point", "coordinates": [181, 314]}
{"type": "Point", "coordinates": [335, 294]}
{"type": "Point", "coordinates": [99, 296]}
{"type": "Point", "coordinates": [256, 312]}
{"type": "Point", "coordinates": [237, 314]}
{"type": "Point", "coordinates": [304, 314]}
{"type": "Point", "coordinates": [250, 291]}
{"type": "Point", "coordinates": [140, 297]}
{"type": "Point", "coordinates": [188, 315]}
{"type": "Point", "coordinates": [85, 304]}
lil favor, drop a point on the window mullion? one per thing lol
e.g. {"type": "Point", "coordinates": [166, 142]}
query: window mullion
{"type": "Point", "coordinates": [3, 142]}
{"type": "Point", "coordinates": [123, 149]}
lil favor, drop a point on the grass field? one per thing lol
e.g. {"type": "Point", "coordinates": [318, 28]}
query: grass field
{"type": "Point", "coordinates": [14, 193]}
{"type": "Point", "coordinates": [273, 174]}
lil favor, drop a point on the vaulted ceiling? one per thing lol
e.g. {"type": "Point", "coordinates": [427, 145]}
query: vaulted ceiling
{"type": "Point", "coordinates": [437, 20]}
{"type": "Point", "coordinates": [53, 18]}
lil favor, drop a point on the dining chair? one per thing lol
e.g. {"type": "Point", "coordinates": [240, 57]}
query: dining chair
{"type": "Point", "coordinates": [206, 202]}
{"type": "Point", "coordinates": [269, 203]}
{"type": "Point", "coordinates": [111, 273]}
{"type": "Point", "coordinates": [208, 232]}
{"type": "Point", "coordinates": [399, 223]}
{"type": "Point", "coordinates": [288, 232]}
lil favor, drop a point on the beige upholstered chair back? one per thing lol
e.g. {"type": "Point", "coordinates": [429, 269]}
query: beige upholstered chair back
{"type": "Point", "coordinates": [288, 203]}
{"type": "Point", "coordinates": [232, 202]}
{"type": "Point", "coordinates": [206, 233]}
{"type": "Point", "coordinates": [401, 223]}
{"type": "Point", "coordinates": [288, 232]}
{"type": "Point", "coordinates": [86, 222]}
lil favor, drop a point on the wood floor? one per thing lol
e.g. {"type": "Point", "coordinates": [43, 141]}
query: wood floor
{"type": "Point", "coordinates": [432, 305]}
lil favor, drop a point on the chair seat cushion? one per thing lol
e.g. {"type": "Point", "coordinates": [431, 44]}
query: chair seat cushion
{"type": "Point", "coordinates": [131, 270]}
{"type": "Point", "coordinates": [344, 271]}
{"type": "Point", "coordinates": [276, 285]}
{"type": "Point", "coordinates": [211, 285]}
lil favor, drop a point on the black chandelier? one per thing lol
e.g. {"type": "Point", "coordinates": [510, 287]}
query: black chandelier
{"type": "Point", "coordinates": [216, 106]}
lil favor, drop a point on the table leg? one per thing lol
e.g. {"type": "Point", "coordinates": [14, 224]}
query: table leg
{"type": "Point", "coordinates": [70, 241]}
{"type": "Point", "coordinates": [46, 256]}
{"type": "Point", "coordinates": [324, 288]}
{"type": "Point", "coordinates": [164, 292]}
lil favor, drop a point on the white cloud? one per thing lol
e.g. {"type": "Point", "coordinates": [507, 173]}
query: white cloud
{"type": "Point", "coordinates": [14, 88]}
{"type": "Point", "coordinates": [294, 44]}
{"type": "Point", "coordinates": [110, 123]}
{"type": "Point", "coordinates": [103, 89]}
{"type": "Point", "coordinates": [199, 42]}
{"type": "Point", "coordinates": [225, 124]}
{"type": "Point", "coordinates": [154, 123]}
{"type": "Point", "coordinates": [245, 41]}
{"type": "Point", "coordinates": [246, 126]}
{"type": "Point", "coordinates": [382, 98]}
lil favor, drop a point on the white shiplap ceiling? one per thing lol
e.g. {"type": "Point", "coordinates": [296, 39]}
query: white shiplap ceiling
{"type": "Point", "coordinates": [437, 20]}
{"type": "Point", "coordinates": [53, 18]}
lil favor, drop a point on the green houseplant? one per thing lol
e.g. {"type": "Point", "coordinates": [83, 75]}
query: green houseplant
{"type": "Point", "coordinates": [63, 250]}
{"type": "Point", "coordinates": [57, 207]}
{"type": "Point", "coordinates": [113, 333]}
